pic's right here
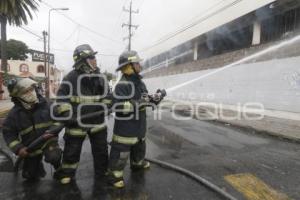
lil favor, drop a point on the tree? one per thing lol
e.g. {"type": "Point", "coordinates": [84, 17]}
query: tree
{"type": "Point", "coordinates": [16, 50]}
{"type": "Point", "coordinates": [14, 12]}
{"type": "Point", "coordinates": [108, 75]}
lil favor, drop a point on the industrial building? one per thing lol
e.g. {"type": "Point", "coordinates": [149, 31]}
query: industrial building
{"type": "Point", "coordinates": [222, 40]}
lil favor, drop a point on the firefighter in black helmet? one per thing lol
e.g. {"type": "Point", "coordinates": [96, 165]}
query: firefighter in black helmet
{"type": "Point", "coordinates": [130, 120]}
{"type": "Point", "coordinates": [28, 120]}
{"type": "Point", "coordinates": [84, 88]}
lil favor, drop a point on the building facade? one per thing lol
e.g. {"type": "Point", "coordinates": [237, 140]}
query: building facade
{"type": "Point", "coordinates": [35, 70]}
{"type": "Point", "coordinates": [252, 26]}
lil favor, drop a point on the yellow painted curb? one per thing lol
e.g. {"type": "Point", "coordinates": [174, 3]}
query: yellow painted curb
{"type": "Point", "coordinates": [253, 188]}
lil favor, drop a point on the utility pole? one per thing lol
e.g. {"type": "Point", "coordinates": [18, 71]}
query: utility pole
{"type": "Point", "coordinates": [49, 22]}
{"type": "Point", "coordinates": [130, 25]}
{"type": "Point", "coordinates": [45, 61]}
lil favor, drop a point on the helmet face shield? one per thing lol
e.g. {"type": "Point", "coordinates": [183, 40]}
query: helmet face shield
{"type": "Point", "coordinates": [83, 52]}
{"type": "Point", "coordinates": [85, 59]}
{"type": "Point", "coordinates": [21, 86]}
{"type": "Point", "coordinates": [29, 98]}
{"type": "Point", "coordinates": [24, 90]}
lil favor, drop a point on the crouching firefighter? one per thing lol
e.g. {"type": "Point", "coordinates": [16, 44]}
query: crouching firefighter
{"type": "Point", "coordinates": [85, 90]}
{"type": "Point", "coordinates": [28, 120]}
{"type": "Point", "coordinates": [130, 120]}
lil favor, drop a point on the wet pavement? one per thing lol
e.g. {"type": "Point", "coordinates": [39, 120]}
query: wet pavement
{"type": "Point", "coordinates": [211, 150]}
{"type": "Point", "coordinates": [156, 183]}
{"type": "Point", "coordinates": [214, 151]}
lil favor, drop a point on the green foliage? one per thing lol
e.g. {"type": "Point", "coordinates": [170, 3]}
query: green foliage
{"type": "Point", "coordinates": [16, 50]}
{"type": "Point", "coordinates": [16, 12]}
{"type": "Point", "coordinates": [109, 76]}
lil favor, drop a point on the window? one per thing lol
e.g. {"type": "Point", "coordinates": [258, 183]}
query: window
{"type": "Point", "coordinates": [24, 68]}
{"type": "Point", "coordinates": [40, 69]}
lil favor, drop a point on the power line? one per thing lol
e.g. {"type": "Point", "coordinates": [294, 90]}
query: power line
{"type": "Point", "coordinates": [36, 35]}
{"type": "Point", "coordinates": [70, 51]}
{"type": "Point", "coordinates": [83, 26]}
{"type": "Point", "coordinates": [98, 54]}
{"type": "Point", "coordinates": [107, 55]}
{"type": "Point", "coordinates": [207, 17]}
{"type": "Point", "coordinates": [62, 50]}
{"type": "Point", "coordinates": [194, 18]}
{"type": "Point", "coordinates": [78, 36]}
{"type": "Point", "coordinates": [70, 36]}
{"type": "Point", "coordinates": [90, 37]}
{"type": "Point", "coordinates": [192, 25]}
{"type": "Point", "coordinates": [60, 43]}
{"type": "Point", "coordinates": [119, 17]}
{"type": "Point", "coordinates": [31, 32]}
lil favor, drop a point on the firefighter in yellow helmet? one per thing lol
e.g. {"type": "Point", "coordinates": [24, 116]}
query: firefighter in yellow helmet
{"type": "Point", "coordinates": [28, 120]}
{"type": "Point", "coordinates": [130, 122]}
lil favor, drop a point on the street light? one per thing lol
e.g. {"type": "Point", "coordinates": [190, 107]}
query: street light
{"type": "Point", "coordinates": [48, 78]}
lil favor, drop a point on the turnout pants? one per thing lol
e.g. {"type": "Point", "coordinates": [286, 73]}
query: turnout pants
{"type": "Point", "coordinates": [33, 167]}
{"type": "Point", "coordinates": [74, 138]}
{"type": "Point", "coordinates": [121, 149]}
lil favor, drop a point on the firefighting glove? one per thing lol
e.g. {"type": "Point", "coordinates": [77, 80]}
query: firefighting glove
{"type": "Point", "coordinates": [158, 96]}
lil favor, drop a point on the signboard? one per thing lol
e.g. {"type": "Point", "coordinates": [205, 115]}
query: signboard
{"type": "Point", "coordinates": [39, 56]}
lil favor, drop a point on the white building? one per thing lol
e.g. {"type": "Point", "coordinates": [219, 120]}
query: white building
{"type": "Point", "coordinates": [239, 24]}
{"type": "Point", "coordinates": [32, 69]}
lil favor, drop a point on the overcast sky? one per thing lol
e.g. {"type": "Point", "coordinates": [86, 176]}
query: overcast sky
{"type": "Point", "coordinates": [104, 18]}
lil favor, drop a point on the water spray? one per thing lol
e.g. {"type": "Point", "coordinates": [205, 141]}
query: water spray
{"type": "Point", "coordinates": [255, 55]}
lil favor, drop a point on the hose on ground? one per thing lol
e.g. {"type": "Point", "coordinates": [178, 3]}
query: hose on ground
{"type": "Point", "coordinates": [193, 176]}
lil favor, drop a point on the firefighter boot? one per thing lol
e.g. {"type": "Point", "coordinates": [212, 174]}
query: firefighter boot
{"type": "Point", "coordinates": [135, 166]}
{"type": "Point", "coordinates": [115, 179]}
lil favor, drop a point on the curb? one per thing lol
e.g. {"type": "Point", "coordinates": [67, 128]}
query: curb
{"type": "Point", "coordinates": [3, 113]}
{"type": "Point", "coordinates": [252, 130]}
{"type": "Point", "coordinates": [247, 128]}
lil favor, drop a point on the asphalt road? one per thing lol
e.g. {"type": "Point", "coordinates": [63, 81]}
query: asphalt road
{"type": "Point", "coordinates": [218, 152]}
{"type": "Point", "coordinates": [247, 165]}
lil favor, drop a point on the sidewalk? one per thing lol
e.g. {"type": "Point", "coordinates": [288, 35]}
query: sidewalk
{"type": "Point", "coordinates": [276, 123]}
{"type": "Point", "coordinates": [5, 106]}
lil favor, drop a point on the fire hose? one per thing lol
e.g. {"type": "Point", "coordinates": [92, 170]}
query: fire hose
{"type": "Point", "coordinates": [159, 95]}
{"type": "Point", "coordinates": [146, 99]}
{"type": "Point", "coordinates": [193, 176]}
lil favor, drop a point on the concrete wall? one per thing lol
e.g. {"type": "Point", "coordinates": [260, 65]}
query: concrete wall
{"type": "Point", "coordinates": [227, 58]}
{"type": "Point", "coordinates": [274, 83]}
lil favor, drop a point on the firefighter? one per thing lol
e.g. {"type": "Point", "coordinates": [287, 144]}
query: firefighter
{"type": "Point", "coordinates": [27, 120]}
{"type": "Point", "coordinates": [84, 88]}
{"type": "Point", "coordinates": [130, 120]}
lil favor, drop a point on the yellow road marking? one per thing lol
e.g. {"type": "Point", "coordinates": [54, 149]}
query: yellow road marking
{"type": "Point", "coordinates": [253, 188]}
